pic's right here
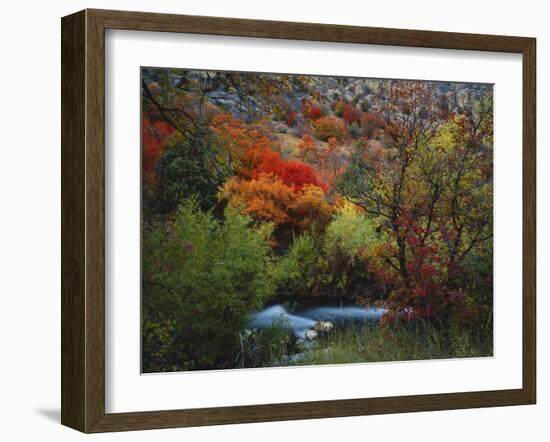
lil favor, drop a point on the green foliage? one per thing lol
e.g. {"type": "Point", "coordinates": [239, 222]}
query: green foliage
{"type": "Point", "coordinates": [354, 129]}
{"type": "Point", "coordinates": [184, 171]}
{"type": "Point", "coordinates": [202, 279]}
{"type": "Point", "coordinates": [431, 183]}
{"type": "Point", "coordinates": [350, 231]}
{"type": "Point", "coordinates": [399, 342]}
{"type": "Point", "coordinates": [415, 231]}
{"type": "Point", "coordinates": [303, 270]}
{"type": "Point", "coordinates": [333, 262]}
{"type": "Point", "coordinates": [360, 177]}
{"type": "Point", "coordinates": [266, 347]}
{"type": "Point", "coordinates": [349, 241]}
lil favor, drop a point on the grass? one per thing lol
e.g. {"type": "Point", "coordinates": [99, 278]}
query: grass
{"type": "Point", "coordinates": [275, 346]}
{"type": "Point", "coordinates": [266, 347]}
{"type": "Point", "coordinates": [372, 343]}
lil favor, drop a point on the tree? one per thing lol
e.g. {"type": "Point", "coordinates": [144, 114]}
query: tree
{"type": "Point", "coordinates": [294, 173]}
{"type": "Point", "coordinates": [330, 126]}
{"type": "Point", "coordinates": [269, 198]}
{"type": "Point", "coordinates": [307, 145]}
{"type": "Point", "coordinates": [431, 188]}
{"type": "Point", "coordinates": [351, 115]}
{"type": "Point", "coordinates": [182, 97]}
{"type": "Point", "coordinates": [154, 136]}
{"type": "Point", "coordinates": [183, 171]}
{"type": "Point", "coordinates": [311, 110]}
{"type": "Point", "coordinates": [240, 143]}
{"type": "Point", "coordinates": [201, 280]}
{"type": "Point", "coordinates": [266, 198]}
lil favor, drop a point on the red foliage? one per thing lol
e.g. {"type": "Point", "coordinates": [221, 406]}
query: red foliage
{"type": "Point", "coordinates": [351, 115]}
{"type": "Point", "coordinates": [292, 172]}
{"type": "Point", "coordinates": [315, 112]}
{"type": "Point", "coordinates": [291, 118]}
{"type": "Point", "coordinates": [369, 124]}
{"type": "Point", "coordinates": [311, 110]}
{"type": "Point", "coordinates": [153, 138]}
{"type": "Point", "coordinates": [421, 288]}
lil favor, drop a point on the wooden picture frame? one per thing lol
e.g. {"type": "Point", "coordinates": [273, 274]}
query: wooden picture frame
{"type": "Point", "coordinates": [83, 220]}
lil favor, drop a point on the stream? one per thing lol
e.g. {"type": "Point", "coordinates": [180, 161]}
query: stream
{"type": "Point", "coordinates": [305, 313]}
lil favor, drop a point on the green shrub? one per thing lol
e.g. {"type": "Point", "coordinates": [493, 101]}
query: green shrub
{"type": "Point", "coordinates": [354, 130]}
{"type": "Point", "coordinates": [348, 243]}
{"type": "Point", "coordinates": [185, 170]}
{"type": "Point", "coordinates": [333, 262]}
{"type": "Point", "coordinates": [351, 231]}
{"type": "Point", "coordinates": [302, 270]}
{"type": "Point", "coordinates": [201, 280]}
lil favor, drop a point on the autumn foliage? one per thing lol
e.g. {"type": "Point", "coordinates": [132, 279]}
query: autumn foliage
{"type": "Point", "coordinates": [330, 126]}
{"type": "Point", "coordinates": [154, 135]}
{"type": "Point", "coordinates": [374, 191]}
{"type": "Point", "coordinates": [311, 110]}
{"type": "Point", "coordinates": [293, 173]}
{"type": "Point", "coordinates": [268, 198]}
{"type": "Point", "coordinates": [351, 115]}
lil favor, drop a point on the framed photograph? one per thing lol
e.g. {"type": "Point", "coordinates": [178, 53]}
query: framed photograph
{"type": "Point", "coordinates": [268, 221]}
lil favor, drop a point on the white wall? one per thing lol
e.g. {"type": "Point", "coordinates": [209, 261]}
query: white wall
{"type": "Point", "coordinates": [30, 217]}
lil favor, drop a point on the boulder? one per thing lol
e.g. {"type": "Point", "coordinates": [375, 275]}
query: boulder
{"type": "Point", "coordinates": [311, 335]}
{"type": "Point", "coordinates": [323, 326]}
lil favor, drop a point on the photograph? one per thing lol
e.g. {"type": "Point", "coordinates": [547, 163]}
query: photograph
{"type": "Point", "coordinates": [296, 219]}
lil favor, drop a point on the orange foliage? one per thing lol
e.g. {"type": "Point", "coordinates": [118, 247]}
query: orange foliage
{"type": "Point", "coordinates": [242, 143]}
{"type": "Point", "coordinates": [307, 145]}
{"type": "Point", "coordinates": [332, 144]}
{"type": "Point", "coordinates": [332, 167]}
{"type": "Point", "coordinates": [339, 107]}
{"type": "Point", "coordinates": [330, 126]}
{"type": "Point", "coordinates": [311, 206]}
{"type": "Point", "coordinates": [268, 198]}
{"type": "Point", "coordinates": [268, 187]}
{"type": "Point", "coordinates": [375, 154]}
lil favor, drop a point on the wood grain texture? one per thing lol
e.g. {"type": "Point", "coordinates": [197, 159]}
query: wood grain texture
{"type": "Point", "coordinates": [144, 21]}
{"type": "Point", "coordinates": [73, 130]}
{"type": "Point", "coordinates": [83, 220]}
{"type": "Point", "coordinates": [529, 220]}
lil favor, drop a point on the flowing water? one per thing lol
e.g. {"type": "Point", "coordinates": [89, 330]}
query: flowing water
{"type": "Point", "coordinates": [304, 314]}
